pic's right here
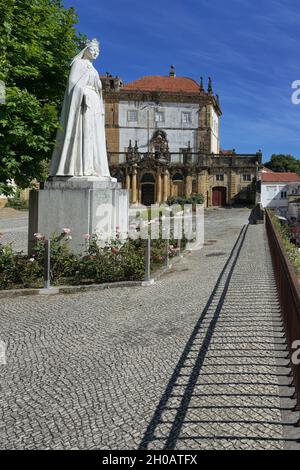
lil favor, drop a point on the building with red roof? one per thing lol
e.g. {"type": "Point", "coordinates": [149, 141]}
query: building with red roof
{"type": "Point", "coordinates": [170, 84]}
{"type": "Point", "coordinates": [163, 139]}
{"type": "Point", "coordinates": [282, 177]}
{"type": "Point", "coordinates": [179, 106]}
{"type": "Point", "coordinates": [276, 188]}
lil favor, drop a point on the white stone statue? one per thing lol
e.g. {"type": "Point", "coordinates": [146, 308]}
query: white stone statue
{"type": "Point", "coordinates": [80, 148]}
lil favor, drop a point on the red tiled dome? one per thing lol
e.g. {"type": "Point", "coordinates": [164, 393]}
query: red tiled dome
{"type": "Point", "coordinates": [171, 84]}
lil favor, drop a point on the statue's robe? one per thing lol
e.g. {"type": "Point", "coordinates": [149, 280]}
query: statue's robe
{"type": "Point", "coordinates": [80, 148]}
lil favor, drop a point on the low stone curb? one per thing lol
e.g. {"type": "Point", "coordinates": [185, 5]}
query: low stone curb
{"type": "Point", "coordinates": [12, 293]}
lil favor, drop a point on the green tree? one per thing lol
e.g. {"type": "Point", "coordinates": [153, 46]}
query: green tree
{"type": "Point", "coordinates": [281, 162]}
{"type": "Point", "coordinates": [37, 41]}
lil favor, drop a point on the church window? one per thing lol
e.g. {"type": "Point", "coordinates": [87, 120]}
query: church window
{"type": "Point", "coordinates": [186, 117]}
{"type": "Point", "coordinates": [159, 116]}
{"type": "Point", "coordinates": [219, 177]}
{"type": "Point", "coordinates": [132, 116]}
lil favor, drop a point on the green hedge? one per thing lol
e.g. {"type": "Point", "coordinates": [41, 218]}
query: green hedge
{"type": "Point", "coordinates": [285, 235]}
{"type": "Point", "coordinates": [181, 200]}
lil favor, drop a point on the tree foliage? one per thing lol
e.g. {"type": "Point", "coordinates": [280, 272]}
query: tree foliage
{"type": "Point", "coordinates": [284, 163]}
{"type": "Point", "coordinates": [37, 41]}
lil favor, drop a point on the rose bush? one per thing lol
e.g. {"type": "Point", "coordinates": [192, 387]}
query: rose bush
{"type": "Point", "coordinates": [114, 261]}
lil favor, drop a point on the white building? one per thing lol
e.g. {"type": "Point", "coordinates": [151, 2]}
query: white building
{"type": "Point", "coordinates": [293, 213]}
{"type": "Point", "coordinates": [275, 188]}
{"type": "Point", "coordinates": [163, 140]}
{"type": "Point", "coordinates": [139, 120]}
{"type": "Point", "coordinates": [186, 113]}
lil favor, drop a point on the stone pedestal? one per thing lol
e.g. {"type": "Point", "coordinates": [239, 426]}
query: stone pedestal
{"type": "Point", "coordinates": [86, 205]}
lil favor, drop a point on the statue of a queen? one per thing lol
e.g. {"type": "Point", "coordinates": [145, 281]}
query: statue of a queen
{"type": "Point", "coordinates": [80, 148]}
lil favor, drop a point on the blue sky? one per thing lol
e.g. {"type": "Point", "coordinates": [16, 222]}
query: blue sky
{"type": "Point", "coordinates": [250, 48]}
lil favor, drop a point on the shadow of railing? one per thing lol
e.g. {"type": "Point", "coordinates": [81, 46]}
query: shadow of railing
{"type": "Point", "coordinates": [206, 398]}
{"type": "Point", "coordinates": [218, 295]}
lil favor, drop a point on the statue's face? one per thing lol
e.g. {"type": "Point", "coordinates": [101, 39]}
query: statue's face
{"type": "Point", "coordinates": [92, 52]}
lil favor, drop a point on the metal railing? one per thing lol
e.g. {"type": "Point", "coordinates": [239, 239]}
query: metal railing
{"type": "Point", "coordinates": [289, 297]}
{"type": "Point", "coordinates": [147, 261]}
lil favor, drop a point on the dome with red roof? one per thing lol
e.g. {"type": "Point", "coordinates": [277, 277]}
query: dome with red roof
{"type": "Point", "coordinates": [164, 83]}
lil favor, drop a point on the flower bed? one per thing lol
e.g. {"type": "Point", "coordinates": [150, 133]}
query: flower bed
{"type": "Point", "coordinates": [113, 262]}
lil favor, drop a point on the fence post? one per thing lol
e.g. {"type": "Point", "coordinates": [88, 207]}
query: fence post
{"type": "Point", "coordinates": [47, 245]}
{"type": "Point", "coordinates": [179, 248]}
{"type": "Point", "coordinates": [167, 254]}
{"type": "Point", "coordinates": [147, 279]}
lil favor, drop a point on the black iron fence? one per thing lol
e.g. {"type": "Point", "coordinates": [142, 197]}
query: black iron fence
{"type": "Point", "coordinates": [289, 295]}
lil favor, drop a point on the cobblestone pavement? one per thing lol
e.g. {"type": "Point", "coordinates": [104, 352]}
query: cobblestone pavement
{"type": "Point", "coordinates": [196, 361]}
{"type": "Point", "coordinates": [14, 227]}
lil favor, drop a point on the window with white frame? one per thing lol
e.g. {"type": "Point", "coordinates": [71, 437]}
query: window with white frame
{"type": "Point", "coordinates": [186, 117]}
{"type": "Point", "coordinates": [159, 116]}
{"type": "Point", "coordinates": [283, 195]}
{"type": "Point", "coordinates": [219, 177]}
{"type": "Point", "coordinates": [132, 116]}
{"type": "Point", "coordinates": [246, 177]}
{"type": "Point", "coordinates": [215, 126]}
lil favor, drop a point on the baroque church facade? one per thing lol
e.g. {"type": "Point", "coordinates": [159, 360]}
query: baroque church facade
{"type": "Point", "coordinates": [163, 139]}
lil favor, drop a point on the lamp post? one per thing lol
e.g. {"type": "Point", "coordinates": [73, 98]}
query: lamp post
{"type": "Point", "coordinates": [148, 130]}
{"type": "Point", "coordinates": [148, 106]}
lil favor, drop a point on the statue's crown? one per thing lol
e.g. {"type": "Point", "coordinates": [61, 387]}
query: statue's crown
{"type": "Point", "coordinates": [92, 42]}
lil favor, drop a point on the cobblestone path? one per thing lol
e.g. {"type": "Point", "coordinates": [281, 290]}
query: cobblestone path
{"type": "Point", "coordinates": [196, 361]}
{"type": "Point", "coordinates": [14, 228]}
{"type": "Point", "coordinates": [224, 393]}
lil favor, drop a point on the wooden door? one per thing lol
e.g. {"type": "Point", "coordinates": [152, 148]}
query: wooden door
{"type": "Point", "coordinates": [219, 196]}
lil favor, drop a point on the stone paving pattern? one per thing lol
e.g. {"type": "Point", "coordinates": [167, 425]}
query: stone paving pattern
{"type": "Point", "coordinates": [196, 361]}
{"type": "Point", "coordinates": [14, 228]}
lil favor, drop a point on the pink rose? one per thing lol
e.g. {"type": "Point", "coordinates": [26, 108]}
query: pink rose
{"type": "Point", "coordinates": [38, 236]}
{"type": "Point", "coordinates": [86, 236]}
{"type": "Point", "coordinates": [66, 231]}
{"type": "Point", "coordinates": [114, 250]}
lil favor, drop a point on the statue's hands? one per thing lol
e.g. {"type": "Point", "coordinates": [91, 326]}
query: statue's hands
{"type": "Point", "coordinates": [84, 104]}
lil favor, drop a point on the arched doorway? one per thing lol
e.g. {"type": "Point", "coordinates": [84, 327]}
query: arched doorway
{"type": "Point", "coordinates": [148, 189]}
{"type": "Point", "coordinates": [219, 196]}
